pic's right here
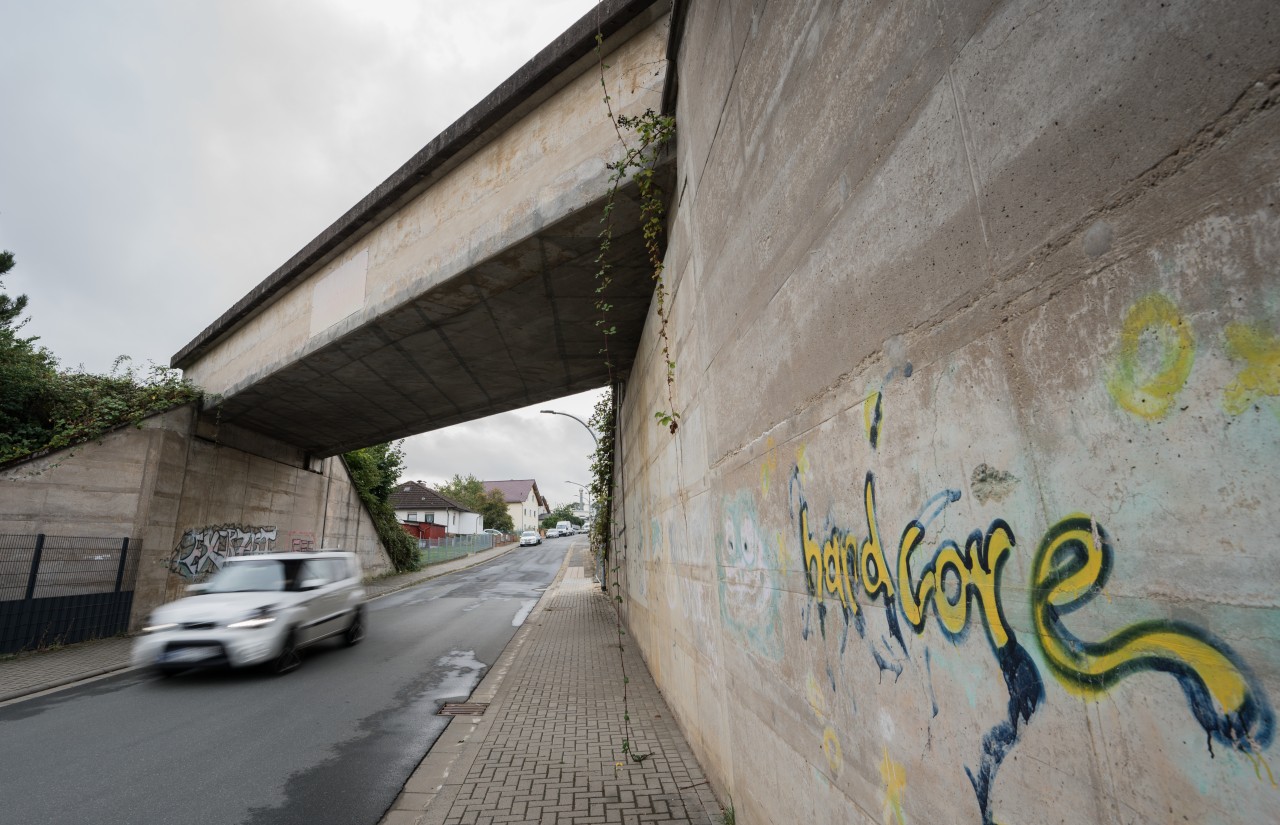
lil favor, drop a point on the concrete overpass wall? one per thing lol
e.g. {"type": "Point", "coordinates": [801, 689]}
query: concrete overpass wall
{"type": "Point", "coordinates": [189, 499]}
{"type": "Point", "coordinates": [976, 317]}
{"type": "Point", "coordinates": [544, 162]}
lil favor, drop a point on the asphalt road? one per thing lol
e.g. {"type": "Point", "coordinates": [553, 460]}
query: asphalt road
{"type": "Point", "coordinates": [332, 742]}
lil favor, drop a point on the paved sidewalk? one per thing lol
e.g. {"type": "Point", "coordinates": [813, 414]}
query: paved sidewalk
{"type": "Point", "coordinates": [28, 673]}
{"type": "Point", "coordinates": [548, 747]}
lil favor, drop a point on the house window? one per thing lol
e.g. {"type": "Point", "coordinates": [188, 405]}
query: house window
{"type": "Point", "coordinates": [431, 518]}
{"type": "Point", "coordinates": [411, 517]}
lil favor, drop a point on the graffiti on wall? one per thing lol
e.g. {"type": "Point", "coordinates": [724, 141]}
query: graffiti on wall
{"type": "Point", "coordinates": [956, 584]}
{"type": "Point", "coordinates": [1259, 379]}
{"type": "Point", "coordinates": [202, 550]}
{"type": "Point", "coordinates": [747, 565]}
{"type": "Point", "coordinates": [1156, 352]}
{"type": "Point", "coordinates": [1071, 567]}
{"type": "Point", "coordinates": [1154, 358]}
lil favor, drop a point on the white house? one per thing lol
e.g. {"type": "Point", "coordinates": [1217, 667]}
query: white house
{"type": "Point", "coordinates": [414, 501]}
{"type": "Point", "coordinates": [525, 504]}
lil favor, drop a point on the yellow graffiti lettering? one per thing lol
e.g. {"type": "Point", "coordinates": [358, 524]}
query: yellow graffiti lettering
{"type": "Point", "coordinates": [831, 750]}
{"type": "Point", "coordinates": [975, 570]}
{"type": "Point", "coordinates": [1071, 566]}
{"type": "Point", "coordinates": [954, 615]}
{"type": "Point", "coordinates": [872, 416]}
{"type": "Point", "coordinates": [872, 567]}
{"type": "Point", "coordinates": [1140, 388]}
{"type": "Point", "coordinates": [828, 564]}
{"type": "Point", "coordinates": [913, 598]}
{"type": "Point", "coordinates": [1260, 377]}
{"type": "Point", "coordinates": [985, 576]}
{"type": "Point", "coordinates": [895, 783]}
{"type": "Point", "coordinates": [813, 564]}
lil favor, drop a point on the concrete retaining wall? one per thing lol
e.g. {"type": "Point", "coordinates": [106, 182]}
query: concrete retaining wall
{"type": "Point", "coordinates": [190, 500]}
{"type": "Point", "coordinates": [971, 513]}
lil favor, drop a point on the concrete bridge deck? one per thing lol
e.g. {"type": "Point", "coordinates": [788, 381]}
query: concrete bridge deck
{"type": "Point", "coordinates": [465, 284]}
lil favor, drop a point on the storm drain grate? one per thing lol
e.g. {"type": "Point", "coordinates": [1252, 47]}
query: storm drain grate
{"type": "Point", "coordinates": [463, 709]}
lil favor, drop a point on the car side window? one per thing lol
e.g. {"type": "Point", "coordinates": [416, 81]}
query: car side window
{"type": "Point", "coordinates": [337, 569]}
{"type": "Point", "coordinates": [313, 569]}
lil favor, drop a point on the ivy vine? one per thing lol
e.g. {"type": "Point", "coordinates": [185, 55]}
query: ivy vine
{"type": "Point", "coordinates": [650, 133]}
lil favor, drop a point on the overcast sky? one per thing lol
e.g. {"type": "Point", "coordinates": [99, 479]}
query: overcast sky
{"type": "Point", "coordinates": [160, 158]}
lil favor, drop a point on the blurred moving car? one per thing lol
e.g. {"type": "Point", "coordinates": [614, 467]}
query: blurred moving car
{"type": "Point", "coordinates": [260, 609]}
{"type": "Point", "coordinates": [530, 537]}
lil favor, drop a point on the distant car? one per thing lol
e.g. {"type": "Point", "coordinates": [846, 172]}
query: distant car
{"type": "Point", "coordinates": [553, 533]}
{"type": "Point", "coordinates": [257, 610]}
{"type": "Point", "coordinates": [529, 538]}
{"type": "Point", "coordinates": [493, 532]}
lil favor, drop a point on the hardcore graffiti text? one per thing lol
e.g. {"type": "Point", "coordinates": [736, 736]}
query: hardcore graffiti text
{"type": "Point", "coordinates": [1071, 566]}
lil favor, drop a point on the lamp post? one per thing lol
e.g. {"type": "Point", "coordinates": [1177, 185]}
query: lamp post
{"type": "Point", "coordinates": [575, 418]}
{"type": "Point", "coordinates": [585, 489]}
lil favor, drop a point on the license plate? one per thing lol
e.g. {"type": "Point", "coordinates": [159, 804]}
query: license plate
{"type": "Point", "coordinates": [188, 654]}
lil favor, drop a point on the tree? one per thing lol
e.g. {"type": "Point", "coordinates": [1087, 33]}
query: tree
{"type": "Point", "coordinates": [27, 375]}
{"type": "Point", "coordinates": [471, 493]}
{"type": "Point", "coordinates": [44, 409]}
{"type": "Point", "coordinates": [562, 513]}
{"type": "Point", "coordinates": [374, 471]}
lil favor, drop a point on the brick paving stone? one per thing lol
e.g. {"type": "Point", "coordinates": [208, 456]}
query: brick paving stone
{"type": "Point", "coordinates": [553, 751]}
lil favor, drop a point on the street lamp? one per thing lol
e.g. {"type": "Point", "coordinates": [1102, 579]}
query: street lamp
{"type": "Point", "coordinates": [585, 489]}
{"type": "Point", "coordinates": [575, 418]}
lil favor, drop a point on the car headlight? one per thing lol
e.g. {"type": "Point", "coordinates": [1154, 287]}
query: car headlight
{"type": "Point", "coordinates": [262, 617]}
{"type": "Point", "coordinates": [156, 628]}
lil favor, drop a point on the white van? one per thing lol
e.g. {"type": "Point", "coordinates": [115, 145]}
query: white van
{"type": "Point", "coordinates": [565, 528]}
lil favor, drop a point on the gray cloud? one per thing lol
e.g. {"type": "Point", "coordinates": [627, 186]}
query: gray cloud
{"type": "Point", "coordinates": [161, 157]}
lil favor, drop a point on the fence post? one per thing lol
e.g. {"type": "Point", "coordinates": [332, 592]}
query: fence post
{"type": "Point", "coordinates": [124, 551]}
{"type": "Point", "coordinates": [35, 568]}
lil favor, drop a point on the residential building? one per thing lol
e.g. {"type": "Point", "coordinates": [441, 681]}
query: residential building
{"type": "Point", "coordinates": [525, 504]}
{"type": "Point", "coordinates": [414, 501]}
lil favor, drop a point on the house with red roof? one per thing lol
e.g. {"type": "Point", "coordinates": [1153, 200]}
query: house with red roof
{"type": "Point", "coordinates": [416, 503]}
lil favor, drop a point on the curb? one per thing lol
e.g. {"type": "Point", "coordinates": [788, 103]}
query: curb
{"type": "Point", "coordinates": [57, 683]}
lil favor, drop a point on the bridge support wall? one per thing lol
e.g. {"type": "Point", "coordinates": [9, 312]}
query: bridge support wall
{"type": "Point", "coordinates": [190, 500]}
{"type": "Point", "coordinates": [971, 513]}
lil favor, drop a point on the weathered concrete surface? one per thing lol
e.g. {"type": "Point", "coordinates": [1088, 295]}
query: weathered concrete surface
{"type": "Point", "coordinates": [465, 285]}
{"type": "Point", "coordinates": [971, 513]}
{"type": "Point", "coordinates": [190, 502]}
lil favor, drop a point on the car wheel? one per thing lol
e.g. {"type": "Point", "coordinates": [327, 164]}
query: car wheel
{"type": "Point", "coordinates": [355, 632]}
{"type": "Point", "coordinates": [288, 659]}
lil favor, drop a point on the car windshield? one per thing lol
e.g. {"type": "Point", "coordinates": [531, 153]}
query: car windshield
{"type": "Point", "coordinates": [248, 576]}
{"type": "Point", "coordinates": [528, 533]}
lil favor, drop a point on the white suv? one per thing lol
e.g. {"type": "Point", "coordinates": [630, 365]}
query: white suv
{"type": "Point", "coordinates": [258, 609]}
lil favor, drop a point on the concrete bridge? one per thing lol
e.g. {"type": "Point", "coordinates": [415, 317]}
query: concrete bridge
{"type": "Point", "coordinates": [971, 516]}
{"type": "Point", "coordinates": [465, 284]}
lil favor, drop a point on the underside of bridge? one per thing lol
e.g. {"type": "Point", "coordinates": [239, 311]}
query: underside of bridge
{"type": "Point", "coordinates": [470, 276]}
{"type": "Point", "coordinates": [515, 330]}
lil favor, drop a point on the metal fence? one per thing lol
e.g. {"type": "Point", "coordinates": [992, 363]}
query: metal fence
{"type": "Point", "coordinates": [434, 551]}
{"type": "Point", "coordinates": [58, 590]}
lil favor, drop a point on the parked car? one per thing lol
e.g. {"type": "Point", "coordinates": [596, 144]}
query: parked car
{"type": "Point", "coordinates": [553, 533]}
{"type": "Point", "coordinates": [257, 610]}
{"type": "Point", "coordinates": [493, 532]}
{"type": "Point", "coordinates": [529, 538]}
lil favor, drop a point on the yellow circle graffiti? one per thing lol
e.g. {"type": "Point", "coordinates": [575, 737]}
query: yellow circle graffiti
{"type": "Point", "coordinates": [1141, 388]}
